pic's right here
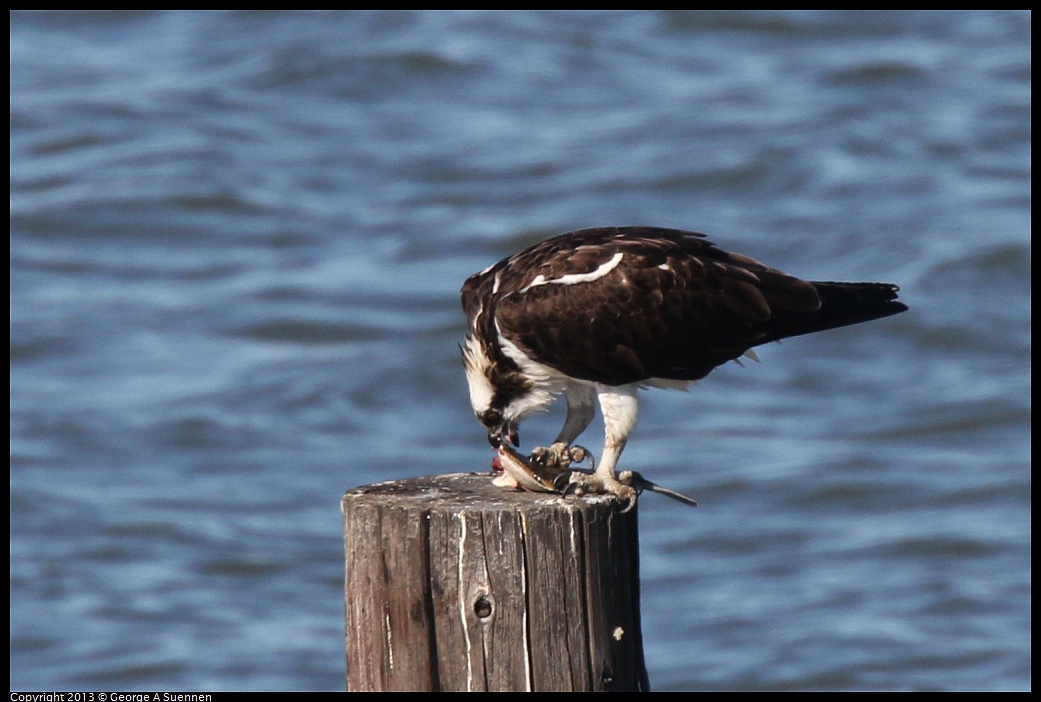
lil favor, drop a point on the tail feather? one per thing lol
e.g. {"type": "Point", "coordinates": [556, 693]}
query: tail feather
{"type": "Point", "coordinates": [842, 304]}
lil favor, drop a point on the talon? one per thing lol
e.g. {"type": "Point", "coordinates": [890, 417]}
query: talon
{"type": "Point", "coordinates": [561, 483]}
{"type": "Point", "coordinates": [557, 456]}
{"type": "Point", "coordinates": [580, 454]}
{"type": "Point", "coordinates": [571, 490]}
{"type": "Point", "coordinates": [583, 483]}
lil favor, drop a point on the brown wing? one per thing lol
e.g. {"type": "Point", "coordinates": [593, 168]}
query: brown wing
{"type": "Point", "coordinates": [675, 306]}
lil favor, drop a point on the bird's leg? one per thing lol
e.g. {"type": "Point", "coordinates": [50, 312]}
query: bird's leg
{"type": "Point", "coordinates": [605, 478]}
{"type": "Point", "coordinates": [580, 400]}
{"type": "Point", "coordinates": [619, 407]}
{"type": "Point", "coordinates": [579, 414]}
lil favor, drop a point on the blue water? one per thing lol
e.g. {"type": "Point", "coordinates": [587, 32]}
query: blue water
{"type": "Point", "coordinates": [237, 240]}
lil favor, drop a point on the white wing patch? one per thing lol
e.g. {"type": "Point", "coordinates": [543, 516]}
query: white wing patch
{"type": "Point", "coordinates": [573, 278]}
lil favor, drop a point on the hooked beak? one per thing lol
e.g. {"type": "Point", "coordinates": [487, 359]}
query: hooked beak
{"type": "Point", "coordinates": [507, 433]}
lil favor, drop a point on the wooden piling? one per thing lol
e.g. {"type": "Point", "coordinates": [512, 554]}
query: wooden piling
{"type": "Point", "coordinates": [453, 584]}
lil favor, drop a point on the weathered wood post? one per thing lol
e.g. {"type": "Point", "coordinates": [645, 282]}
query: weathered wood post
{"type": "Point", "coordinates": [454, 584]}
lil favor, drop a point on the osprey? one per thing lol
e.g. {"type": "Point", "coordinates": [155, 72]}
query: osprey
{"type": "Point", "coordinates": [596, 314]}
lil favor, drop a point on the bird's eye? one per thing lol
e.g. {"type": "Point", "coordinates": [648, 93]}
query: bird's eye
{"type": "Point", "coordinates": [490, 418]}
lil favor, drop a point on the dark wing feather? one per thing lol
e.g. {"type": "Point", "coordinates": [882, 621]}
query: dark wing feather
{"type": "Point", "coordinates": [675, 307]}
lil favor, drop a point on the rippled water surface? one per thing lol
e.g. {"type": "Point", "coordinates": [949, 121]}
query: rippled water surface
{"type": "Point", "coordinates": [237, 241]}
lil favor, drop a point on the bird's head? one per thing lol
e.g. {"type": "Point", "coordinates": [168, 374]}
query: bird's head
{"type": "Point", "coordinates": [500, 395]}
{"type": "Point", "coordinates": [499, 429]}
